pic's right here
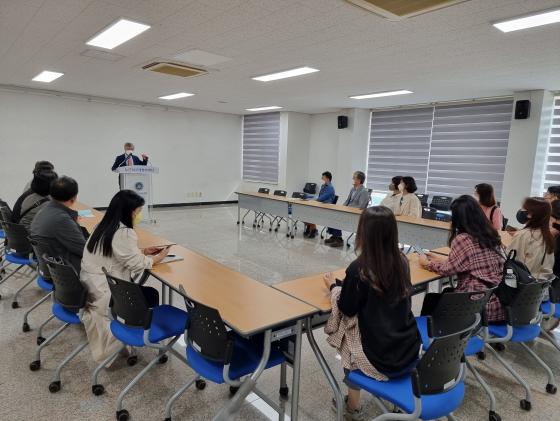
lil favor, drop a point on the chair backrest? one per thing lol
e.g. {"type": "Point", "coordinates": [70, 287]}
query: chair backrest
{"type": "Point", "coordinates": [5, 212]}
{"type": "Point", "coordinates": [335, 200]}
{"type": "Point", "coordinates": [18, 240]}
{"type": "Point", "coordinates": [282, 193]}
{"type": "Point", "coordinates": [264, 190]}
{"type": "Point", "coordinates": [423, 199]}
{"type": "Point", "coordinates": [69, 291]}
{"type": "Point", "coordinates": [439, 369]}
{"type": "Point", "coordinates": [525, 305]}
{"type": "Point", "coordinates": [455, 311]}
{"type": "Point", "coordinates": [298, 195]}
{"type": "Point", "coordinates": [429, 213]}
{"type": "Point", "coordinates": [441, 202]}
{"type": "Point", "coordinates": [310, 188]}
{"type": "Point", "coordinates": [42, 247]}
{"type": "Point", "coordinates": [128, 303]}
{"type": "Point", "coordinates": [554, 291]}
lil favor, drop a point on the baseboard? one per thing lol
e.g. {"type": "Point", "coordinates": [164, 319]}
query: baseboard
{"type": "Point", "coordinates": [180, 205]}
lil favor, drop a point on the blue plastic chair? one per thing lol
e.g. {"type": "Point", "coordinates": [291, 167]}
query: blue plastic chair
{"type": "Point", "coordinates": [551, 308]}
{"type": "Point", "coordinates": [134, 323]}
{"type": "Point", "coordinates": [434, 389]}
{"type": "Point", "coordinates": [221, 356]}
{"type": "Point", "coordinates": [522, 325]}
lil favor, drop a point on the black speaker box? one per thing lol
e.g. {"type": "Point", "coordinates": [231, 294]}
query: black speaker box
{"type": "Point", "coordinates": [522, 109]}
{"type": "Point", "coordinates": [342, 121]}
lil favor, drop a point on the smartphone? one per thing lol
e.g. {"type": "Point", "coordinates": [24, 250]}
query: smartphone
{"type": "Point", "coordinates": [419, 250]}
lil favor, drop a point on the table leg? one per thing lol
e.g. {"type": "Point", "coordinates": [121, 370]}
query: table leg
{"type": "Point", "coordinates": [325, 367]}
{"type": "Point", "coordinates": [248, 384]}
{"type": "Point", "coordinates": [163, 293]}
{"type": "Point", "coordinates": [296, 372]}
{"type": "Point", "coordinates": [238, 213]}
{"type": "Point", "coordinates": [170, 297]}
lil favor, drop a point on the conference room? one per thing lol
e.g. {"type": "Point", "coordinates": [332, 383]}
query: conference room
{"type": "Point", "coordinates": [279, 210]}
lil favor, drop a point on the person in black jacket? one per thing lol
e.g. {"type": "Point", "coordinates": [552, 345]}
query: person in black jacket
{"type": "Point", "coordinates": [377, 288]}
{"type": "Point", "coordinates": [128, 158]}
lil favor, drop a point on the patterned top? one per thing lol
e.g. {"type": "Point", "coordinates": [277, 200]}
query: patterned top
{"type": "Point", "coordinates": [477, 269]}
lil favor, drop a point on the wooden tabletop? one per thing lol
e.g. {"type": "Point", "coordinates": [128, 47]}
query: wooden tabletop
{"type": "Point", "coordinates": [506, 241]}
{"type": "Point", "coordinates": [313, 291]}
{"type": "Point", "coordinates": [246, 305]}
{"type": "Point", "coordinates": [268, 196]}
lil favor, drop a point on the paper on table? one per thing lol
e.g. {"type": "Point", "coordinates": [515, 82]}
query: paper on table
{"type": "Point", "coordinates": [169, 259]}
{"type": "Point", "coordinates": [86, 213]}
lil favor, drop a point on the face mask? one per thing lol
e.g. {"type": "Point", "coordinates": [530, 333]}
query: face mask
{"type": "Point", "coordinates": [522, 216]}
{"type": "Point", "coordinates": [137, 219]}
{"type": "Point", "coordinates": [129, 152]}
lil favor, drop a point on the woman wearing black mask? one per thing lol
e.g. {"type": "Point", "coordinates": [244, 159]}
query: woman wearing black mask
{"type": "Point", "coordinates": [535, 243]}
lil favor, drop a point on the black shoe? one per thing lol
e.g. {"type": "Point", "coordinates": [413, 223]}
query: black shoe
{"type": "Point", "coordinates": [313, 234]}
{"type": "Point", "coordinates": [337, 242]}
{"type": "Point", "coordinates": [329, 240]}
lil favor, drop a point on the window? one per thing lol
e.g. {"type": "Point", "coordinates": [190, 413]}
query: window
{"type": "Point", "coordinates": [469, 146]}
{"type": "Point", "coordinates": [261, 140]}
{"type": "Point", "coordinates": [552, 170]}
{"type": "Point", "coordinates": [399, 145]}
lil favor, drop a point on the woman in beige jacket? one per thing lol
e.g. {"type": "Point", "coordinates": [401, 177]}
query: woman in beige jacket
{"type": "Point", "coordinates": [535, 243]}
{"type": "Point", "coordinates": [409, 204]}
{"type": "Point", "coordinates": [114, 246]}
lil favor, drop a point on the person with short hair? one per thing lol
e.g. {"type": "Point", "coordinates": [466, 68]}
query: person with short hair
{"type": "Point", "coordinates": [326, 195]}
{"type": "Point", "coordinates": [409, 204]}
{"type": "Point", "coordinates": [128, 158]}
{"type": "Point", "coordinates": [358, 197]}
{"type": "Point", "coordinates": [484, 193]}
{"type": "Point", "coordinates": [552, 193]}
{"type": "Point", "coordinates": [393, 198]}
{"type": "Point", "coordinates": [30, 203]}
{"type": "Point", "coordinates": [57, 222]}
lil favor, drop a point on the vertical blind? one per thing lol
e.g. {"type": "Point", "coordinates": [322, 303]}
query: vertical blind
{"type": "Point", "coordinates": [552, 170]}
{"type": "Point", "coordinates": [399, 145]}
{"type": "Point", "coordinates": [261, 143]}
{"type": "Point", "coordinates": [469, 146]}
{"type": "Point", "coordinates": [448, 149]}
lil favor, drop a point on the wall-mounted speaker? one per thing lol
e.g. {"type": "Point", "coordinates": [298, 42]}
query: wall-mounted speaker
{"type": "Point", "coordinates": [522, 109]}
{"type": "Point", "coordinates": [342, 121]}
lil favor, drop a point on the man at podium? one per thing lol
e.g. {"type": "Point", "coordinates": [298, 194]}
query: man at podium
{"type": "Point", "coordinates": [128, 159]}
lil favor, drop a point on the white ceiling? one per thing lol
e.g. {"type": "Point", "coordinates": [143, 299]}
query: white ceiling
{"type": "Point", "coordinates": [450, 54]}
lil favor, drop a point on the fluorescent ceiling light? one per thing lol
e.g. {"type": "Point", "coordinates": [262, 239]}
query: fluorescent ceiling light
{"type": "Point", "coordinates": [285, 74]}
{"type": "Point", "coordinates": [381, 94]}
{"type": "Point", "coordinates": [117, 34]}
{"type": "Point", "coordinates": [542, 18]}
{"type": "Point", "coordinates": [272, 107]}
{"type": "Point", "coordinates": [47, 76]}
{"type": "Point", "coordinates": [176, 96]}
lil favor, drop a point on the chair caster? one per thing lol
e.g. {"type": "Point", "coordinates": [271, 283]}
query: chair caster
{"type": "Point", "coordinates": [167, 419]}
{"type": "Point", "coordinates": [284, 392]}
{"type": "Point", "coordinates": [525, 405]}
{"type": "Point", "coordinates": [54, 387]}
{"type": "Point", "coordinates": [254, 226]}
{"type": "Point", "coordinates": [233, 390]}
{"type": "Point", "coordinates": [132, 360]}
{"type": "Point", "coordinates": [97, 389]}
{"type": "Point", "coordinates": [201, 384]}
{"type": "Point", "coordinates": [242, 222]}
{"type": "Point", "coordinates": [492, 416]}
{"type": "Point", "coordinates": [123, 415]}
{"type": "Point", "coordinates": [550, 388]}
{"type": "Point", "coordinates": [322, 237]}
{"type": "Point", "coordinates": [35, 365]}
{"type": "Point", "coordinates": [481, 355]}
{"type": "Point", "coordinates": [292, 237]}
{"type": "Point", "coordinates": [40, 340]}
{"type": "Point", "coordinates": [288, 235]}
{"type": "Point", "coordinates": [15, 304]}
{"type": "Point", "coordinates": [25, 327]}
{"type": "Point", "coordinates": [163, 359]}
{"type": "Point", "coordinates": [270, 230]}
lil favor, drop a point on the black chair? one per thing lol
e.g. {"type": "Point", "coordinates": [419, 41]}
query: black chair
{"type": "Point", "coordinates": [278, 219]}
{"type": "Point", "coordinates": [550, 308]}
{"type": "Point", "coordinates": [442, 203]}
{"type": "Point", "coordinates": [310, 188]}
{"type": "Point", "coordinates": [18, 252]}
{"type": "Point", "coordinates": [334, 202]}
{"type": "Point", "coordinates": [423, 199]}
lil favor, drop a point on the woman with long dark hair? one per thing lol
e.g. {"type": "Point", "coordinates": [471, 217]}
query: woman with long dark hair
{"type": "Point", "coordinates": [476, 255]}
{"type": "Point", "coordinates": [113, 245]}
{"type": "Point", "coordinates": [377, 290]}
{"type": "Point", "coordinates": [535, 243]}
{"type": "Point", "coordinates": [485, 194]}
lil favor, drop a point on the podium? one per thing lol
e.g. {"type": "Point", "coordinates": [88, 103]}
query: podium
{"type": "Point", "coordinates": [138, 178]}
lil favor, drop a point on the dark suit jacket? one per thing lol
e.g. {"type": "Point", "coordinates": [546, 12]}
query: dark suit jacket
{"type": "Point", "coordinates": [120, 161]}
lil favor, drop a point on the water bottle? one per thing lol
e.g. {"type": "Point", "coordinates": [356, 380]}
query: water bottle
{"type": "Point", "coordinates": [510, 279]}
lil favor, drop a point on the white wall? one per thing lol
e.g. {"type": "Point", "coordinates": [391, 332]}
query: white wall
{"type": "Point", "coordinates": [298, 134]}
{"type": "Point", "coordinates": [196, 151]}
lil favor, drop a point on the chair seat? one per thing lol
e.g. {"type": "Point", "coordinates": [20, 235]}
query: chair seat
{"type": "Point", "coordinates": [65, 315]}
{"type": "Point", "coordinates": [520, 333]}
{"type": "Point", "coordinates": [399, 392]}
{"type": "Point", "coordinates": [545, 308]}
{"type": "Point", "coordinates": [16, 259]}
{"type": "Point", "coordinates": [2, 234]}
{"type": "Point", "coordinates": [246, 358]}
{"type": "Point", "coordinates": [474, 345]}
{"type": "Point", "coordinates": [167, 321]}
{"type": "Point", "coordinates": [44, 284]}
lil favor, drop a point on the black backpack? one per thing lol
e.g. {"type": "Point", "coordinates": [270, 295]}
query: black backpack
{"type": "Point", "coordinates": [522, 275]}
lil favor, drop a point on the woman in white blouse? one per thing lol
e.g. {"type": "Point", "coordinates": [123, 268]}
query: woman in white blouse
{"type": "Point", "coordinates": [409, 204]}
{"type": "Point", "coordinates": [114, 246]}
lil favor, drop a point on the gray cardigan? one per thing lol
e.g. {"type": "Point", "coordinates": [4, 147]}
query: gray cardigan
{"type": "Point", "coordinates": [358, 198]}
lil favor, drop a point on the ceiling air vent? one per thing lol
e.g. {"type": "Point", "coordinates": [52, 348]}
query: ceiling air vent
{"type": "Point", "coordinates": [173, 69]}
{"type": "Point", "coordinates": [403, 9]}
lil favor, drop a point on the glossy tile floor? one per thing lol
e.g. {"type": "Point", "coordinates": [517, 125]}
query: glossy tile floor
{"type": "Point", "coordinates": [268, 257]}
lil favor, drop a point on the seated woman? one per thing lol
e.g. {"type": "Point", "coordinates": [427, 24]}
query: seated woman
{"type": "Point", "coordinates": [485, 195]}
{"type": "Point", "coordinates": [113, 245]}
{"type": "Point", "coordinates": [476, 255]}
{"type": "Point", "coordinates": [393, 198]}
{"type": "Point", "coordinates": [409, 204]}
{"type": "Point", "coordinates": [376, 291]}
{"type": "Point", "coordinates": [33, 200]}
{"type": "Point", "coordinates": [535, 243]}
